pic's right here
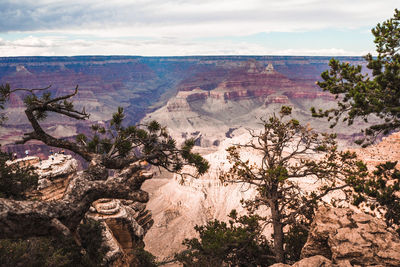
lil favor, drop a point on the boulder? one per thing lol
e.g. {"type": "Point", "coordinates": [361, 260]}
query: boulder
{"type": "Point", "coordinates": [351, 238]}
{"type": "Point", "coordinates": [314, 261]}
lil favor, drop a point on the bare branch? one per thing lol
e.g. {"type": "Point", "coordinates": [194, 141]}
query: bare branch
{"type": "Point", "coordinates": [30, 90]}
{"type": "Point", "coordinates": [54, 100]}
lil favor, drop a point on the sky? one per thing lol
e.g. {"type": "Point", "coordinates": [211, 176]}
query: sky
{"type": "Point", "coordinates": [190, 27]}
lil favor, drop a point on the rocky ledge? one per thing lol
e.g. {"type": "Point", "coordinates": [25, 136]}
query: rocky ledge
{"type": "Point", "coordinates": [124, 222]}
{"type": "Point", "coordinates": [341, 237]}
{"type": "Point", "coordinates": [314, 261]}
{"type": "Point", "coordinates": [350, 238]}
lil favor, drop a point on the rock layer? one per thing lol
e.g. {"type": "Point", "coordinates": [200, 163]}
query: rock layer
{"type": "Point", "coordinates": [349, 237]}
{"type": "Point", "coordinates": [141, 84]}
{"type": "Point", "coordinates": [208, 110]}
{"type": "Point", "coordinates": [126, 224]}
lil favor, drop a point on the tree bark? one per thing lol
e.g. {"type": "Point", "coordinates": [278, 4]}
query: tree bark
{"type": "Point", "coordinates": [22, 219]}
{"type": "Point", "coordinates": [278, 231]}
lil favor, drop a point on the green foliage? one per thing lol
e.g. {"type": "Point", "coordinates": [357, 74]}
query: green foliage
{"type": "Point", "coordinates": [149, 141]}
{"type": "Point", "coordinates": [81, 138]}
{"type": "Point", "coordinates": [38, 252]}
{"type": "Point", "coordinates": [380, 190]}
{"type": "Point", "coordinates": [143, 258]}
{"type": "Point", "coordinates": [296, 236]}
{"type": "Point", "coordinates": [117, 118]}
{"type": "Point", "coordinates": [241, 242]}
{"type": "Point", "coordinates": [51, 251]}
{"type": "Point", "coordinates": [5, 90]}
{"type": "Point", "coordinates": [284, 147]}
{"type": "Point", "coordinates": [15, 181]}
{"type": "Point", "coordinates": [285, 110]}
{"type": "Point", "coordinates": [360, 95]}
{"type": "Point", "coordinates": [31, 99]}
{"type": "Point", "coordinates": [294, 240]}
{"type": "Point", "coordinates": [279, 172]}
{"type": "Point", "coordinates": [236, 243]}
{"type": "Point", "coordinates": [90, 232]}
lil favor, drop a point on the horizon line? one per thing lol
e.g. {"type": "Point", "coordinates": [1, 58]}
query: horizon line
{"type": "Point", "coordinates": [186, 56]}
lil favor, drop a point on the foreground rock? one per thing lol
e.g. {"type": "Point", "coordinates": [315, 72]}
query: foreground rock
{"type": "Point", "coordinates": [54, 174]}
{"type": "Point", "coordinates": [314, 261]}
{"type": "Point", "coordinates": [350, 238]}
{"type": "Point", "coordinates": [125, 222]}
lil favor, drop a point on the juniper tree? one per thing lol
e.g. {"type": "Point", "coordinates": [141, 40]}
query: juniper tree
{"type": "Point", "coordinates": [15, 181]}
{"type": "Point", "coordinates": [4, 94]}
{"type": "Point", "coordinates": [361, 95]}
{"type": "Point", "coordinates": [289, 152]}
{"type": "Point", "coordinates": [115, 147]}
{"type": "Point", "coordinates": [237, 243]}
{"type": "Point", "coordinates": [380, 190]}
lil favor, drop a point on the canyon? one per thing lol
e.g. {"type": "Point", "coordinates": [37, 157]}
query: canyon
{"type": "Point", "coordinates": [210, 112]}
{"type": "Point", "coordinates": [345, 236]}
{"type": "Point", "coordinates": [179, 203]}
{"type": "Point", "coordinates": [214, 100]}
{"type": "Point", "coordinates": [144, 84]}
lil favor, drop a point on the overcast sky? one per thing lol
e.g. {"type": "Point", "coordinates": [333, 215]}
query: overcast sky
{"type": "Point", "coordinates": [190, 27]}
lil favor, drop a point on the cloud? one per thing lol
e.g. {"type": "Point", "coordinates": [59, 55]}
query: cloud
{"type": "Point", "coordinates": [193, 17]}
{"type": "Point", "coordinates": [49, 46]}
{"type": "Point", "coordinates": [180, 27]}
{"type": "Point", "coordinates": [319, 52]}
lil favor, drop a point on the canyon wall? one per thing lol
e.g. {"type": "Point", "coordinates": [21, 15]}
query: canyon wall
{"type": "Point", "coordinates": [214, 100]}
{"type": "Point", "coordinates": [210, 109]}
{"type": "Point", "coordinates": [144, 84]}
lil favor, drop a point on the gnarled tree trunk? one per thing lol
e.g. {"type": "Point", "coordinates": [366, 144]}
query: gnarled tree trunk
{"type": "Point", "coordinates": [278, 232]}
{"type": "Point", "coordinates": [22, 219]}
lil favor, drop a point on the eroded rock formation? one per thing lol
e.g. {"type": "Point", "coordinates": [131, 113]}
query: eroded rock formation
{"type": "Point", "coordinates": [124, 222]}
{"type": "Point", "coordinates": [386, 150]}
{"type": "Point", "coordinates": [237, 99]}
{"type": "Point", "coordinates": [179, 204]}
{"type": "Point", "coordinates": [142, 84]}
{"type": "Point", "coordinates": [351, 238]}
